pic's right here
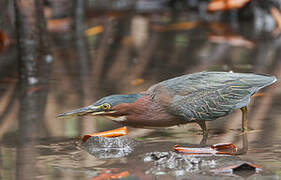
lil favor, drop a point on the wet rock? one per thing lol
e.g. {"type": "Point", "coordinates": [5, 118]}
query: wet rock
{"type": "Point", "coordinates": [103, 148]}
{"type": "Point", "coordinates": [171, 162]}
{"type": "Point", "coordinates": [243, 169]}
{"type": "Point", "coordinates": [200, 167]}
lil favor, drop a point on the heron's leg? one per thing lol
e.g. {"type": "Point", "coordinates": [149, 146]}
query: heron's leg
{"type": "Point", "coordinates": [244, 119]}
{"type": "Point", "coordinates": [203, 126]}
{"type": "Point", "coordinates": [244, 148]}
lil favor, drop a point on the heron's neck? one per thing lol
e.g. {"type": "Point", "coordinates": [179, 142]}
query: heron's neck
{"type": "Point", "coordinates": [129, 104]}
{"type": "Point", "coordinates": [145, 112]}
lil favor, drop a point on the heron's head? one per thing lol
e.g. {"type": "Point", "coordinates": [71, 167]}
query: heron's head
{"type": "Point", "coordinates": [112, 107]}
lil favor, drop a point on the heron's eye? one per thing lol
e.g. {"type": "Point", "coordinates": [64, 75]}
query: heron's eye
{"type": "Point", "coordinates": [105, 106]}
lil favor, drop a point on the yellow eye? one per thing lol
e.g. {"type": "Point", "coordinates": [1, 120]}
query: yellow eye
{"type": "Point", "coordinates": [105, 106]}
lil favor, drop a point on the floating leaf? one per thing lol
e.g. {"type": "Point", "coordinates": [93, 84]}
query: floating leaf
{"type": "Point", "coordinates": [234, 40]}
{"type": "Point", "coordinates": [59, 25]}
{"type": "Point", "coordinates": [8, 80]}
{"type": "Point", "coordinates": [219, 28]}
{"type": "Point", "coordinates": [137, 82]}
{"type": "Point", "coordinates": [35, 89]}
{"type": "Point", "coordinates": [176, 26]}
{"type": "Point", "coordinates": [94, 30]}
{"type": "Point", "coordinates": [111, 174]}
{"type": "Point", "coordinates": [4, 41]}
{"type": "Point", "coordinates": [112, 133]}
{"type": "Point", "coordinates": [229, 149]}
{"type": "Point", "coordinates": [47, 12]}
{"type": "Point", "coordinates": [276, 14]}
{"type": "Point", "coordinates": [127, 40]}
{"type": "Point", "coordinates": [243, 166]}
{"type": "Point", "coordinates": [224, 5]}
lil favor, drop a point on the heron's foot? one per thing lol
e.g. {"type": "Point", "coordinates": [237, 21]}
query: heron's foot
{"type": "Point", "coordinates": [204, 138]}
{"type": "Point", "coordinates": [205, 132]}
{"type": "Point", "coordinates": [242, 133]}
{"type": "Point", "coordinates": [112, 133]}
{"type": "Point", "coordinates": [249, 131]}
{"type": "Point", "coordinates": [244, 148]}
{"type": "Point", "coordinates": [203, 126]}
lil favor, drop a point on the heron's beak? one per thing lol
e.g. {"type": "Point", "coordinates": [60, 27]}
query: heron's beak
{"type": "Point", "coordinates": [91, 110]}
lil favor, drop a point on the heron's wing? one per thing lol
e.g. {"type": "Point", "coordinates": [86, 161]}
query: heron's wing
{"type": "Point", "coordinates": [208, 95]}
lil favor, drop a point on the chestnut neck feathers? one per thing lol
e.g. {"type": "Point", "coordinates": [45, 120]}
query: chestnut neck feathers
{"type": "Point", "coordinates": [145, 112]}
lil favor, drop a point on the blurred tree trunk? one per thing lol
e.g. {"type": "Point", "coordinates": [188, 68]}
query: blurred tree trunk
{"type": "Point", "coordinates": [32, 54]}
{"type": "Point", "coordinates": [85, 81]}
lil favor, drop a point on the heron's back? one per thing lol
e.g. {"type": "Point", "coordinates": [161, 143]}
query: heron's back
{"type": "Point", "coordinates": [209, 95]}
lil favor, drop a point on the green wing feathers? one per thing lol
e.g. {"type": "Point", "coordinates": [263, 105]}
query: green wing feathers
{"type": "Point", "coordinates": [209, 95]}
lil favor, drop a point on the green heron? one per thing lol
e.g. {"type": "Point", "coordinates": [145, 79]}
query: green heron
{"type": "Point", "coordinates": [197, 97]}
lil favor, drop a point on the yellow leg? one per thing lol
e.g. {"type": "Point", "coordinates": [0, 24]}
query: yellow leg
{"type": "Point", "coordinates": [244, 119]}
{"type": "Point", "coordinates": [244, 148]}
{"type": "Point", "coordinates": [203, 126]}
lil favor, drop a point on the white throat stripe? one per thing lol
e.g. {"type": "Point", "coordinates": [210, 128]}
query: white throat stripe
{"type": "Point", "coordinates": [119, 118]}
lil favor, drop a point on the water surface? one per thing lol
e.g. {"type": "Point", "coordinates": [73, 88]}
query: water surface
{"type": "Point", "coordinates": [130, 52]}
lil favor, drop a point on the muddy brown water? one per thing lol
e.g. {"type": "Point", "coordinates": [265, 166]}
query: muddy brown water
{"type": "Point", "coordinates": [130, 53]}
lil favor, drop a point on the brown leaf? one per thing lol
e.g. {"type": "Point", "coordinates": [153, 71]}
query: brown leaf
{"type": "Point", "coordinates": [238, 167]}
{"type": "Point", "coordinates": [112, 133]}
{"type": "Point", "coordinates": [224, 5]}
{"type": "Point", "coordinates": [8, 80]}
{"type": "Point", "coordinates": [47, 12]}
{"type": "Point", "coordinates": [176, 26]}
{"type": "Point", "coordinates": [219, 28]}
{"type": "Point", "coordinates": [234, 40]}
{"type": "Point", "coordinates": [4, 41]}
{"type": "Point", "coordinates": [127, 41]}
{"type": "Point", "coordinates": [137, 82]}
{"type": "Point", "coordinates": [59, 25]}
{"type": "Point", "coordinates": [229, 149]}
{"type": "Point", "coordinates": [94, 30]}
{"type": "Point", "coordinates": [35, 89]}
{"type": "Point", "coordinates": [276, 14]}
{"type": "Point", "coordinates": [111, 174]}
